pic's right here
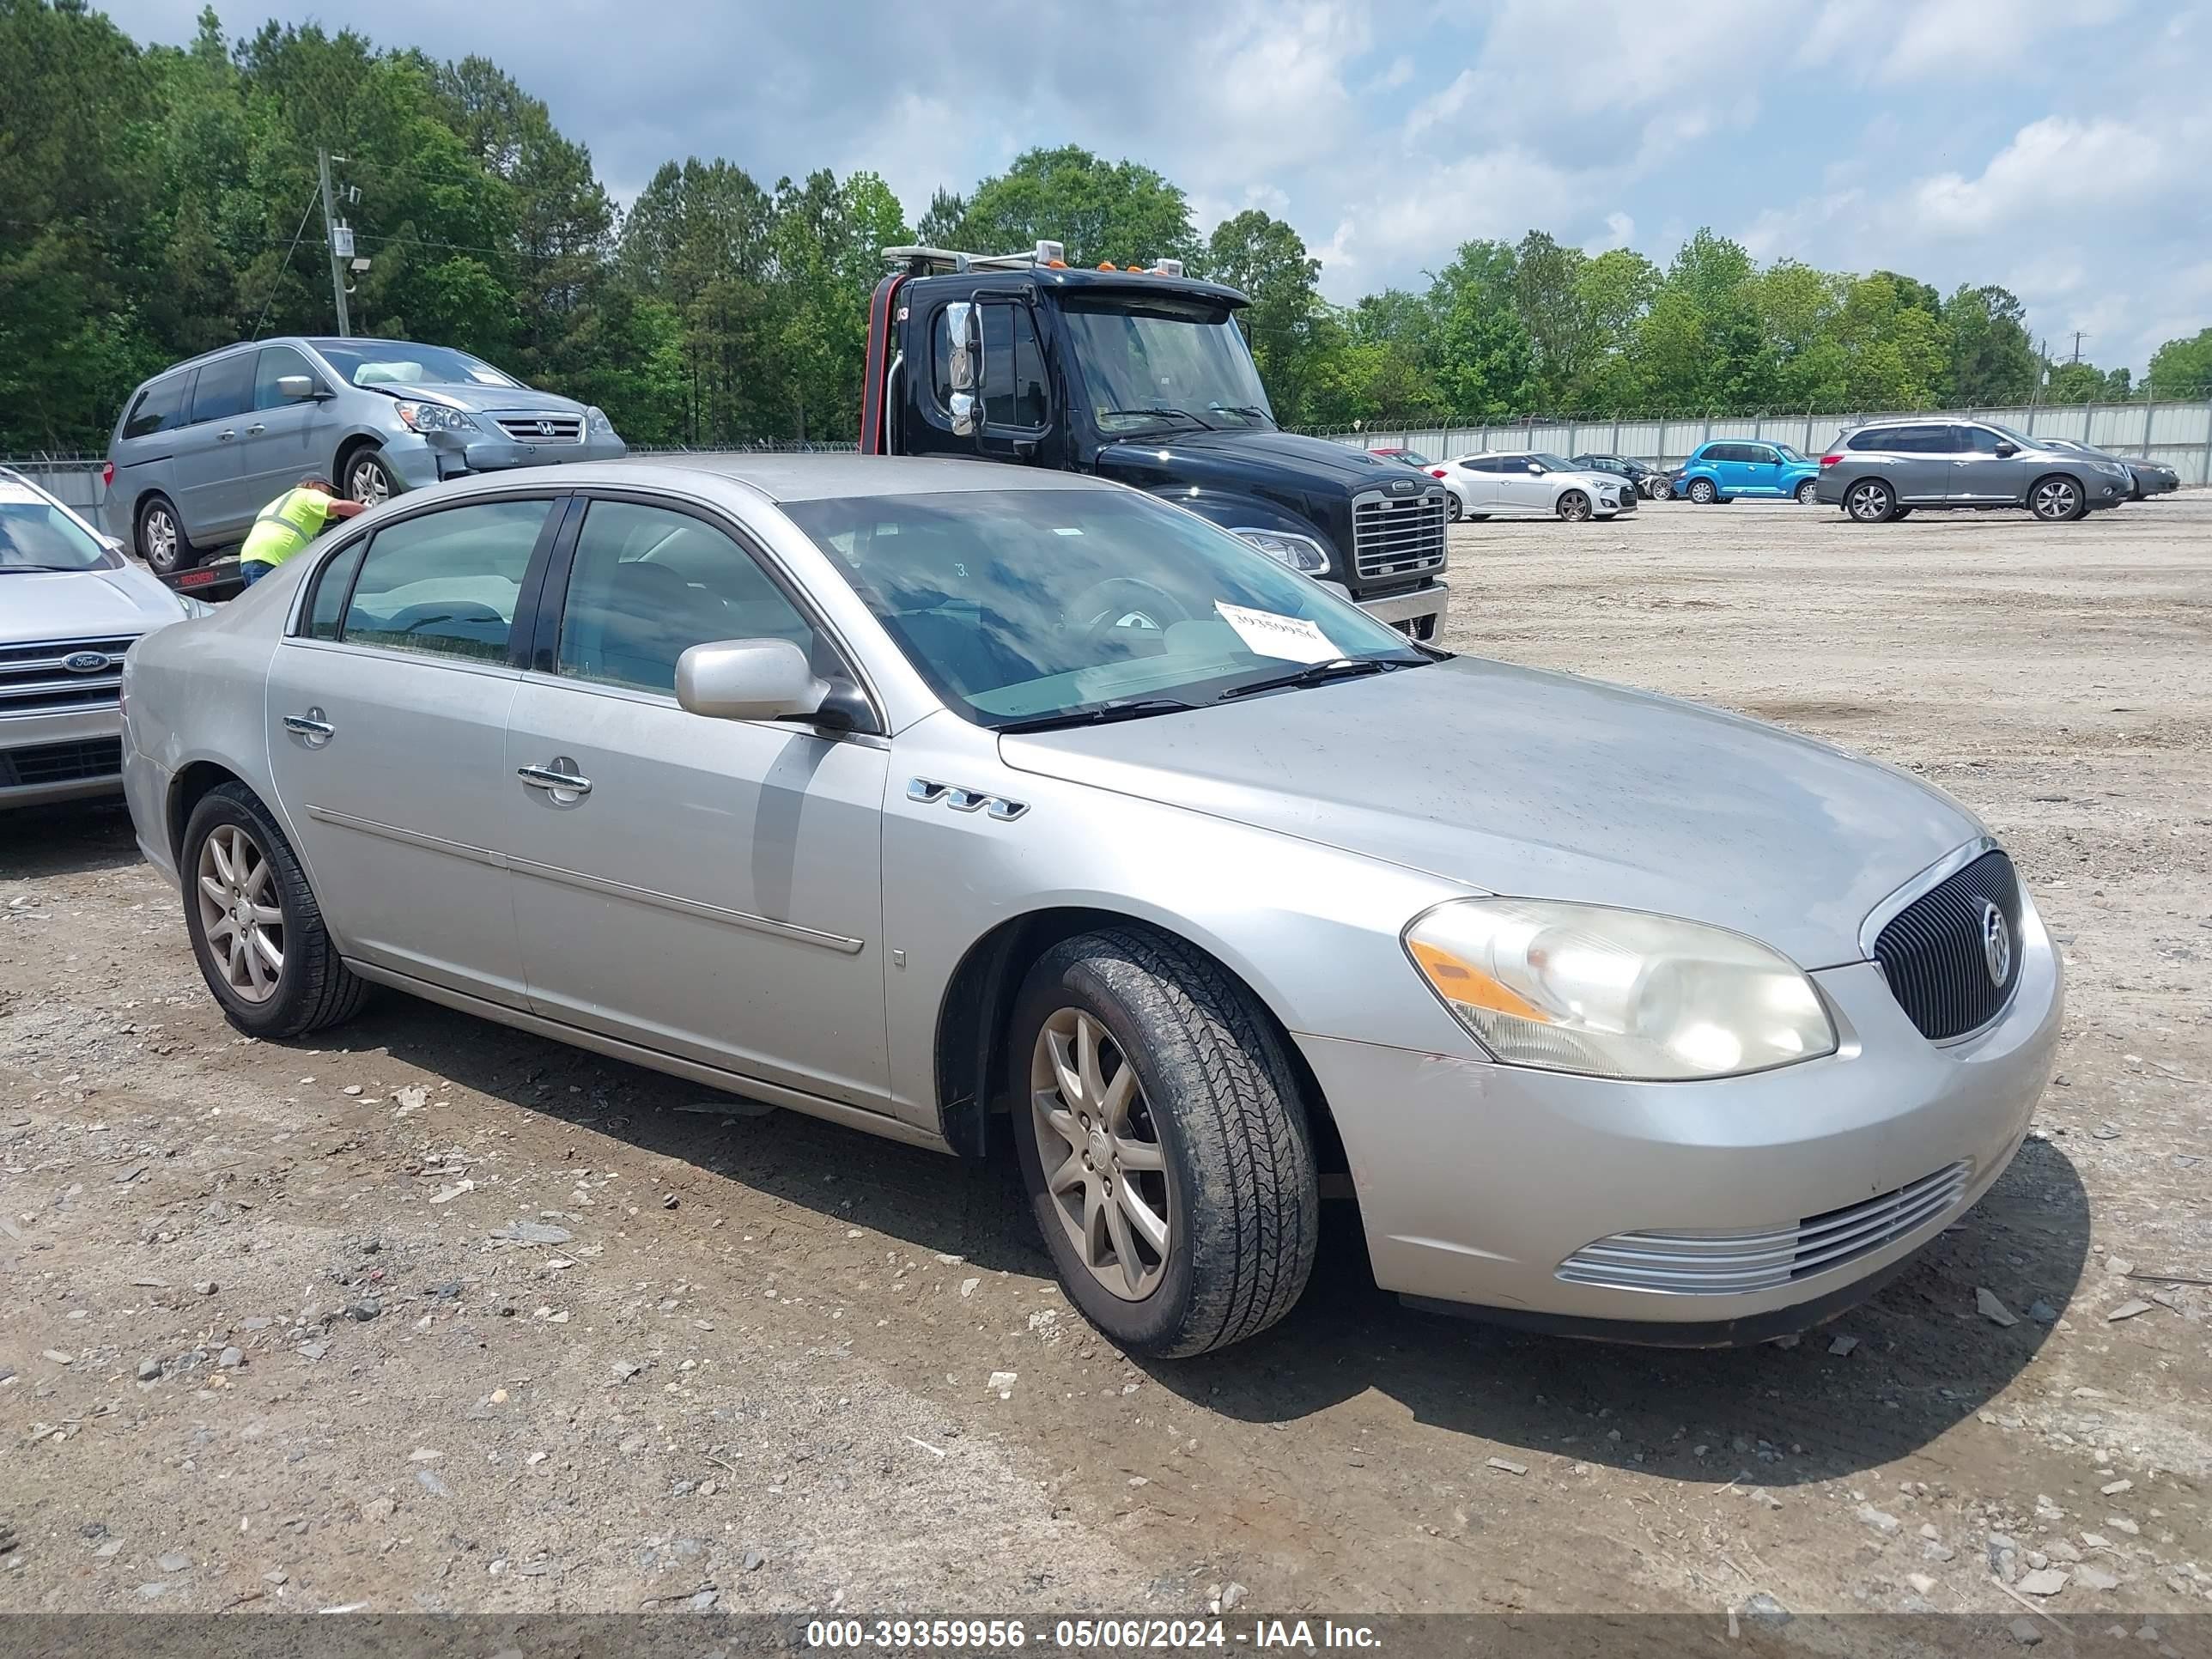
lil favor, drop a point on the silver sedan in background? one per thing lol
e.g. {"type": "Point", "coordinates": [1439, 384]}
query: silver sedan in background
{"type": "Point", "coordinates": [963, 804]}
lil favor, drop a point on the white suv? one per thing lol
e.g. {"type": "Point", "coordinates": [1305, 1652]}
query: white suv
{"type": "Point", "coordinates": [1532, 483]}
{"type": "Point", "coordinates": [71, 605]}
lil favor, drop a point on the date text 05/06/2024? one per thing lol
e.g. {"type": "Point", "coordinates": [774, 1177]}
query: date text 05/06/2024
{"type": "Point", "coordinates": [1000, 1635]}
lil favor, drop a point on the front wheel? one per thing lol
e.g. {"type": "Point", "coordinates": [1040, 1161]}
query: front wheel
{"type": "Point", "coordinates": [1574, 506]}
{"type": "Point", "coordinates": [369, 478]}
{"type": "Point", "coordinates": [1703, 492]}
{"type": "Point", "coordinates": [1163, 1143]}
{"type": "Point", "coordinates": [2056, 499]}
{"type": "Point", "coordinates": [255, 928]}
{"type": "Point", "coordinates": [1870, 502]}
{"type": "Point", "coordinates": [1808, 493]}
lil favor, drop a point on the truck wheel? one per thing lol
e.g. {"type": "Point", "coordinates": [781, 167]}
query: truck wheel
{"type": "Point", "coordinates": [161, 539]}
{"type": "Point", "coordinates": [256, 929]}
{"type": "Point", "coordinates": [1574, 506]}
{"type": "Point", "coordinates": [1702, 493]}
{"type": "Point", "coordinates": [1162, 1142]}
{"type": "Point", "coordinates": [1870, 501]}
{"type": "Point", "coordinates": [1808, 493]}
{"type": "Point", "coordinates": [2056, 499]}
{"type": "Point", "coordinates": [369, 477]}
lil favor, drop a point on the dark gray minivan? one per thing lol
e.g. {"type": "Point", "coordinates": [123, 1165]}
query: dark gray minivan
{"type": "Point", "coordinates": [202, 447]}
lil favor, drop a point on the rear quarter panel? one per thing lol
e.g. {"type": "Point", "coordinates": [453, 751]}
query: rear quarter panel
{"type": "Point", "coordinates": [195, 692]}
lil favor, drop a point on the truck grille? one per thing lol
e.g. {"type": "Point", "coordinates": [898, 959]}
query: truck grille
{"type": "Point", "coordinates": [1398, 536]}
{"type": "Point", "coordinates": [35, 681]}
{"type": "Point", "coordinates": [61, 763]}
{"type": "Point", "coordinates": [542, 428]}
{"type": "Point", "coordinates": [1936, 956]}
{"type": "Point", "coordinates": [1731, 1263]}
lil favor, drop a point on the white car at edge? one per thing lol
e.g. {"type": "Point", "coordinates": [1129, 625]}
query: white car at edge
{"type": "Point", "coordinates": [1532, 483]}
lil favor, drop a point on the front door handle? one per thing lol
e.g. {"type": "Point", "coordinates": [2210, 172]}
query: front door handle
{"type": "Point", "coordinates": [552, 778]}
{"type": "Point", "coordinates": [256, 427]}
{"type": "Point", "coordinates": [226, 436]}
{"type": "Point", "coordinates": [311, 725]}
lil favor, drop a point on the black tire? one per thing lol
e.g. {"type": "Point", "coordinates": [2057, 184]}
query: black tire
{"type": "Point", "coordinates": [1704, 492]}
{"type": "Point", "coordinates": [2057, 498]}
{"type": "Point", "coordinates": [1870, 501]}
{"type": "Point", "coordinates": [314, 988]}
{"type": "Point", "coordinates": [368, 476]}
{"type": "Point", "coordinates": [1476, 518]}
{"type": "Point", "coordinates": [1902, 513]}
{"type": "Point", "coordinates": [160, 538]}
{"type": "Point", "coordinates": [1809, 493]}
{"type": "Point", "coordinates": [1573, 506]}
{"type": "Point", "coordinates": [1452, 510]}
{"type": "Point", "coordinates": [1221, 1099]}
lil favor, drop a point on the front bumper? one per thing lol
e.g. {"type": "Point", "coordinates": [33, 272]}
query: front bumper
{"type": "Point", "coordinates": [59, 756]}
{"type": "Point", "coordinates": [1477, 1182]}
{"type": "Point", "coordinates": [1418, 611]}
{"type": "Point", "coordinates": [423, 458]}
{"type": "Point", "coordinates": [1624, 504]}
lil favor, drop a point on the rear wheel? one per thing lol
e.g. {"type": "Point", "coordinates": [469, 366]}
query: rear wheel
{"type": "Point", "coordinates": [1703, 492]}
{"type": "Point", "coordinates": [255, 928]}
{"type": "Point", "coordinates": [161, 540]}
{"type": "Point", "coordinates": [1808, 493]}
{"type": "Point", "coordinates": [369, 477]}
{"type": "Point", "coordinates": [1870, 502]}
{"type": "Point", "coordinates": [1453, 510]}
{"type": "Point", "coordinates": [1162, 1142]}
{"type": "Point", "coordinates": [2056, 499]}
{"type": "Point", "coordinates": [1574, 506]}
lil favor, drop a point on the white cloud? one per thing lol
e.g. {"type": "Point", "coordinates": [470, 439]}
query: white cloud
{"type": "Point", "coordinates": [2050, 164]}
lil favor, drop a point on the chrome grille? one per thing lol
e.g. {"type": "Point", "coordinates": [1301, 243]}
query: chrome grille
{"type": "Point", "coordinates": [1398, 535]}
{"type": "Point", "coordinates": [1932, 954]}
{"type": "Point", "coordinates": [542, 428]}
{"type": "Point", "coordinates": [33, 680]}
{"type": "Point", "coordinates": [61, 763]}
{"type": "Point", "coordinates": [1732, 1263]}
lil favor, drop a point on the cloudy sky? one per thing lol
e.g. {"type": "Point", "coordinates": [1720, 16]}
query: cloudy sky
{"type": "Point", "coordinates": [2062, 148]}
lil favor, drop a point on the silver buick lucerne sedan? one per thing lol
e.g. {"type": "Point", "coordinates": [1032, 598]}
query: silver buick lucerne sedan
{"type": "Point", "coordinates": [947, 798]}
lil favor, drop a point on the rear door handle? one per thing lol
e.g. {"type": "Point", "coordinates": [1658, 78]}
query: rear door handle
{"type": "Point", "coordinates": [309, 725]}
{"type": "Point", "coordinates": [551, 778]}
{"type": "Point", "coordinates": [226, 437]}
{"type": "Point", "coordinates": [256, 427]}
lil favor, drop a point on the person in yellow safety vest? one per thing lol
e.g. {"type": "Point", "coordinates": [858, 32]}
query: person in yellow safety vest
{"type": "Point", "coordinates": [290, 523]}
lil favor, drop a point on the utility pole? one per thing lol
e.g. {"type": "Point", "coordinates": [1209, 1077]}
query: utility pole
{"type": "Point", "coordinates": [331, 233]}
{"type": "Point", "coordinates": [2079, 336]}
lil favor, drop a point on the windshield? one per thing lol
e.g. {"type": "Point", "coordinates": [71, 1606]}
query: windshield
{"type": "Point", "coordinates": [401, 362]}
{"type": "Point", "coordinates": [1024, 603]}
{"type": "Point", "coordinates": [36, 535]}
{"type": "Point", "coordinates": [1148, 363]}
{"type": "Point", "coordinates": [1787, 453]}
{"type": "Point", "coordinates": [2023, 438]}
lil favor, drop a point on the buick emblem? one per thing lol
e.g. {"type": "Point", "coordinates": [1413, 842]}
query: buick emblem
{"type": "Point", "coordinates": [1997, 944]}
{"type": "Point", "coordinates": [85, 662]}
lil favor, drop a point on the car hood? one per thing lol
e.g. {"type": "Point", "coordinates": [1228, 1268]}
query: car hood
{"type": "Point", "coordinates": [485, 399]}
{"type": "Point", "coordinates": [1258, 450]}
{"type": "Point", "coordinates": [1516, 780]}
{"type": "Point", "coordinates": [82, 605]}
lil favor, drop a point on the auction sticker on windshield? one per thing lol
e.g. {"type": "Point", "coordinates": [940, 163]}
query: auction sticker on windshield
{"type": "Point", "coordinates": [1294, 639]}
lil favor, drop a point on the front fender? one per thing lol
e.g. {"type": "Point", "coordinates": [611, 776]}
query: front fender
{"type": "Point", "coordinates": [1235, 512]}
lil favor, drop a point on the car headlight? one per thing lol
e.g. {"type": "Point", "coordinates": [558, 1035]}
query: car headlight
{"type": "Point", "coordinates": [434, 417]}
{"type": "Point", "coordinates": [595, 419]}
{"type": "Point", "coordinates": [1618, 993]}
{"type": "Point", "coordinates": [2110, 469]}
{"type": "Point", "coordinates": [1301, 553]}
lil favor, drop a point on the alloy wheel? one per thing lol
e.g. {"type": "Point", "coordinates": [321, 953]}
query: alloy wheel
{"type": "Point", "coordinates": [240, 917]}
{"type": "Point", "coordinates": [368, 482]}
{"type": "Point", "coordinates": [1574, 506]}
{"type": "Point", "coordinates": [1869, 501]}
{"type": "Point", "coordinates": [2056, 498]}
{"type": "Point", "coordinates": [1456, 509]}
{"type": "Point", "coordinates": [1702, 492]}
{"type": "Point", "coordinates": [1808, 493]}
{"type": "Point", "coordinates": [160, 538]}
{"type": "Point", "coordinates": [1105, 1170]}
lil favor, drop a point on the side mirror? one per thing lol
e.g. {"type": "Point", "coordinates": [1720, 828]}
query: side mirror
{"type": "Point", "coordinates": [964, 322]}
{"type": "Point", "coordinates": [1536, 469]}
{"type": "Point", "coordinates": [749, 680]}
{"type": "Point", "coordinates": [112, 543]}
{"type": "Point", "coordinates": [296, 388]}
{"type": "Point", "coordinates": [2005, 451]}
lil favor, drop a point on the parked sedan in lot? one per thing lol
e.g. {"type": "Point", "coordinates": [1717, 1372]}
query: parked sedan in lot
{"type": "Point", "coordinates": [71, 605]}
{"type": "Point", "coordinates": [1649, 481]}
{"type": "Point", "coordinates": [1730, 469]}
{"type": "Point", "coordinates": [964, 803]}
{"type": "Point", "coordinates": [2146, 477]}
{"type": "Point", "coordinates": [1530, 484]}
{"type": "Point", "coordinates": [1886, 469]}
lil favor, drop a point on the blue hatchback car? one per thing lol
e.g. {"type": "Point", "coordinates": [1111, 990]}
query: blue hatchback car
{"type": "Point", "coordinates": [1728, 468]}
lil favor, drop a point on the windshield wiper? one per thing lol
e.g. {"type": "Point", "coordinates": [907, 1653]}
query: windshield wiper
{"type": "Point", "coordinates": [1179, 414]}
{"type": "Point", "coordinates": [47, 570]}
{"type": "Point", "coordinates": [1251, 411]}
{"type": "Point", "coordinates": [1134, 708]}
{"type": "Point", "coordinates": [1315, 673]}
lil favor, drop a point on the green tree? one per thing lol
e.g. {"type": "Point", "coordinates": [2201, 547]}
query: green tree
{"type": "Point", "coordinates": [2183, 368]}
{"type": "Point", "coordinates": [1992, 359]}
{"type": "Point", "coordinates": [1564, 340]}
{"type": "Point", "coordinates": [1098, 209]}
{"type": "Point", "coordinates": [1701, 341]}
{"type": "Point", "coordinates": [1485, 361]}
{"type": "Point", "coordinates": [1294, 332]}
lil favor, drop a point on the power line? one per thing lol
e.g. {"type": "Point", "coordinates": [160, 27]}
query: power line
{"type": "Point", "coordinates": [277, 281]}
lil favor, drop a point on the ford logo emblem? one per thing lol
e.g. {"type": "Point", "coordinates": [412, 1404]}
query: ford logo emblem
{"type": "Point", "coordinates": [85, 662]}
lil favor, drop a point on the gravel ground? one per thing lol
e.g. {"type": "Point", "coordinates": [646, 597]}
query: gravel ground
{"type": "Point", "coordinates": [269, 1337]}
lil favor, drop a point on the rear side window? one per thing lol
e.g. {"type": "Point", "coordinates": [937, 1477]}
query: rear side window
{"type": "Point", "coordinates": [159, 407]}
{"type": "Point", "coordinates": [447, 583]}
{"type": "Point", "coordinates": [334, 580]}
{"type": "Point", "coordinates": [225, 388]}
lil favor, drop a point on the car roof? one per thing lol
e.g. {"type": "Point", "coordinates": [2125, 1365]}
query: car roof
{"type": "Point", "coordinates": [808, 477]}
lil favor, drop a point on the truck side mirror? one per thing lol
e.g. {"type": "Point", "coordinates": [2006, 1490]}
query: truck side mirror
{"type": "Point", "coordinates": [964, 325]}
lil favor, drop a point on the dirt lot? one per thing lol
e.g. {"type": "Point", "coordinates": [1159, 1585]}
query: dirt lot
{"type": "Point", "coordinates": [262, 1346]}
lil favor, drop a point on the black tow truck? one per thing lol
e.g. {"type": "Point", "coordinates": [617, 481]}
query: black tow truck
{"type": "Point", "coordinates": [1139, 375]}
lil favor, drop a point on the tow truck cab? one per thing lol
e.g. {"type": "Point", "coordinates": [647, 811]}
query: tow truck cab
{"type": "Point", "coordinates": [1141, 375]}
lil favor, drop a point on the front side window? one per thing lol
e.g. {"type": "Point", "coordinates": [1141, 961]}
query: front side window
{"type": "Point", "coordinates": [275, 364]}
{"type": "Point", "coordinates": [1788, 453]}
{"type": "Point", "coordinates": [648, 583]}
{"type": "Point", "coordinates": [446, 583]}
{"type": "Point", "coordinates": [1028, 604]}
{"type": "Point", "coordinates": [1013, 368]}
